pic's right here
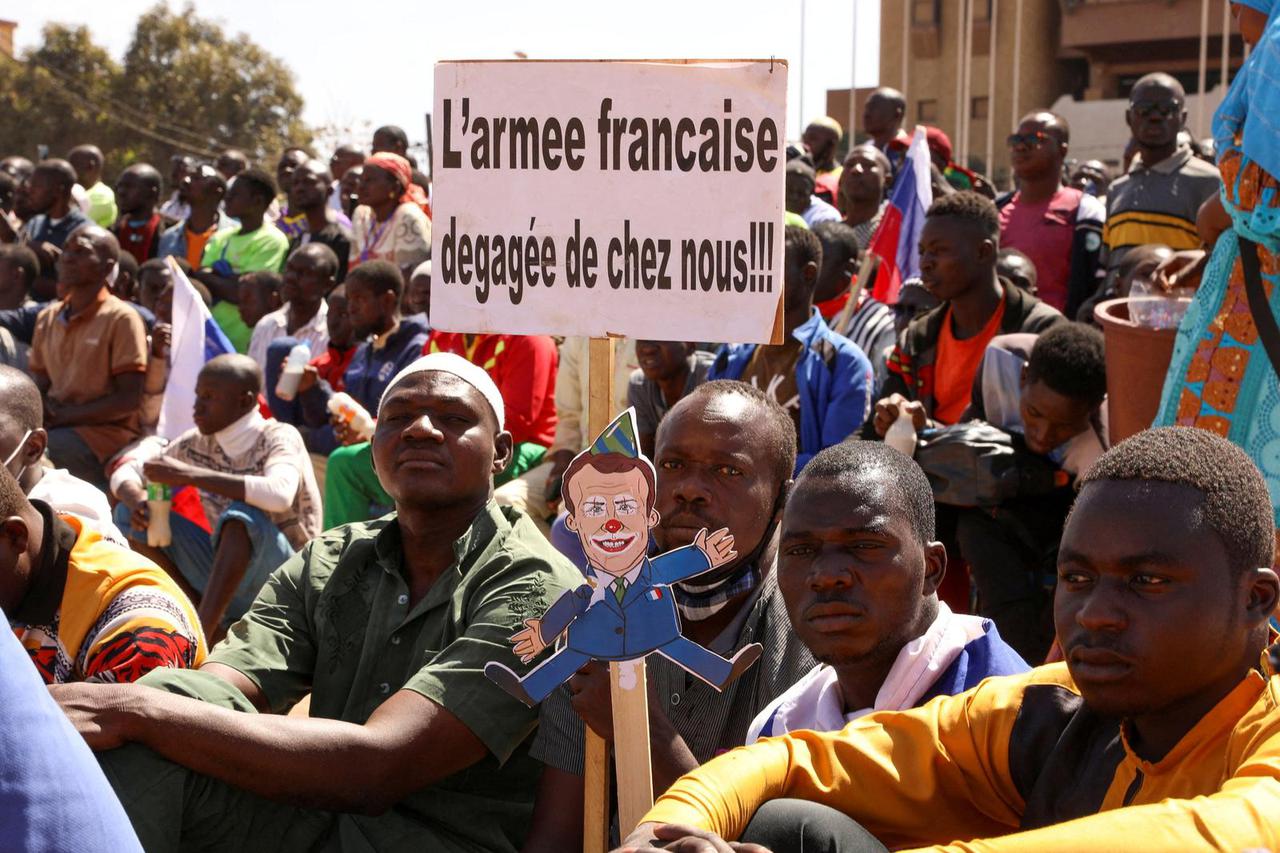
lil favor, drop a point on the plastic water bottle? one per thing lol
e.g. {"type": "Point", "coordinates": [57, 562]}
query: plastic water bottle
{"type": "Point", "coordinates": [355, 416]}
{"type": "Point", "coordinates": [159, 502]}
{"type": "Point", "coordinates": [902, 433]}
{"type": "Point", "coordinates": [294, 364]}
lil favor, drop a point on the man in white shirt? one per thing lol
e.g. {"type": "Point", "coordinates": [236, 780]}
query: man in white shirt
{"type": "Point", "coordinates": [859, 570]}
{"type": "Point", "coordinates": [22, 445]}
{"type": "Point", "coordinates": [309, 275]}
{"type": "Point", "coordinates": [254, 500]}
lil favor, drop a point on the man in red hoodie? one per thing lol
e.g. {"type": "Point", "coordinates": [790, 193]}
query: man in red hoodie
{"type": "Point", "coordinates": [524, 369]}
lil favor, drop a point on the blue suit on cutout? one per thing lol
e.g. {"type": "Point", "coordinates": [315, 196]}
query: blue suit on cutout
{"type": "Point", "coordinates": [644, 622]}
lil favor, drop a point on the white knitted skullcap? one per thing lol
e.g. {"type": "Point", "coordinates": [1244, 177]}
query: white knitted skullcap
{"type": "Point", "coordinates": [469, 373]}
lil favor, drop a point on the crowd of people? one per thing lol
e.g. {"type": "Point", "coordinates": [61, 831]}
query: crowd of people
{"type": "Point", "coordinates": [980, 626]}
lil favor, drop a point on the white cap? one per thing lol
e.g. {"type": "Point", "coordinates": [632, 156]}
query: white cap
{"type": "Point", "coordinates": [423, 268]}
{"type": "Point", "coordinates": [469, 373]}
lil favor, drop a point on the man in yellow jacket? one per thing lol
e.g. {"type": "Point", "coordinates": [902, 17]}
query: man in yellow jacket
{"type": "Point", "coordinates": [1160, 732]}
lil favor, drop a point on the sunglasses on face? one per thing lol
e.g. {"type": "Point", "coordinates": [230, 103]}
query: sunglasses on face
{"type": "Point", "coordinates": [1030, 140]}
{"type": "Point", "coordinates": [1164, 109]}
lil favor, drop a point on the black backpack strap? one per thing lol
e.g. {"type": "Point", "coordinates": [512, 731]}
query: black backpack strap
{"type": "Point", "coordinates": [1259, 307]}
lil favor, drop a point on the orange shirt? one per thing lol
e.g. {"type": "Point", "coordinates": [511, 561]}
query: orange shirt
{"type": "Point", "coordinates": [196, 243]}
{"type": "Point", "coordinates": [957, 775]}
{"type": "Point", "coordinates": [957, 365]}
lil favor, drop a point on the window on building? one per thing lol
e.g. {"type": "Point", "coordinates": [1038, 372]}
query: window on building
{"type": "Point", "coordinates": [926, 13]}
{"type": "Point", "coordinates": [927, 111]}
{"type": "Point", "coordinates": [981, 11]}
{"type": "Point", "coordinates": [979, 107]}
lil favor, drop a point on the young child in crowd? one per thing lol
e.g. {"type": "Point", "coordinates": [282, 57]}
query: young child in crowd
{"type": "Point", "coordinates": [259, 294]}
{"type": "Point", "coordinates": [255, 501]}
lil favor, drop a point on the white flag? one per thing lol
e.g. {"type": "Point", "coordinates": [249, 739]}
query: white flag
{"type": "Point", "coordinates": [196, 339]}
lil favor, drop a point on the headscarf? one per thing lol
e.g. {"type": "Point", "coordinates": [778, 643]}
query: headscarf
{"type": "Point", "coordinates": [403, 172]}
{"type": "Point", "coordinates": [472, 374]}
{"type": "Point", "coordinates": [1251, 109]}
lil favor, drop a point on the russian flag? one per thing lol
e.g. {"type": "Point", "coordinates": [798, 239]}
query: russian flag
{"type": "Point", "coordinates": [896, 241]}
{"type": "Point", "coordinates": [196, 339]}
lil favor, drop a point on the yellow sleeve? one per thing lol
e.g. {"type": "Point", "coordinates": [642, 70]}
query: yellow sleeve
{"type": "Point", "coordinates": [1243, 815]}
{"type": "Point", "coordinates": [145, 626]}
{"type": "Point", "coordinates": [924, 776]}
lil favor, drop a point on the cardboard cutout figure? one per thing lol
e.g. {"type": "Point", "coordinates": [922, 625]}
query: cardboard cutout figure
{"type": "Point", "coordinates": [625, 610]}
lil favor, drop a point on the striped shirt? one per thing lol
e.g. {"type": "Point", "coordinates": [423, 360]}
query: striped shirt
{"type": "Point", "coordinates": [871, 327]}
{"type": "Point", "coordinates": [1157, 204]}
{"type": "Point", "coordinates": [710, 722]}
{"type": "Point", "coordinates": [863, 231]}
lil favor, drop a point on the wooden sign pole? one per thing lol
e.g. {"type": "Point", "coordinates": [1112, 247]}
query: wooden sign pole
{"type": "Point", "coordinates": [631, 742]}
{"type": "Point", "coordinates": [627, 684]}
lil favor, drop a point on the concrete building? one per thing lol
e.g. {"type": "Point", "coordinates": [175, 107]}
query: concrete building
{"type": "Point", "coordinates": [6, 36]}
{"type": "Point", "coordinates": [1079, 57]}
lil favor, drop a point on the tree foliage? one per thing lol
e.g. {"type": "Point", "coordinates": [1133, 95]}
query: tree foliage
{"type": "Point", "coordinates": [184, 87]}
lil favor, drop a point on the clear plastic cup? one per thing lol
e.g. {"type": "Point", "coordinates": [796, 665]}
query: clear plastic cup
{"type": "Point", "coordinates": [1152, 307]}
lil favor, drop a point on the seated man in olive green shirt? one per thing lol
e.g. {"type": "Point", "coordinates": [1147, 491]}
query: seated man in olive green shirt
{"type": "Point", "coordinates": [388, 625]}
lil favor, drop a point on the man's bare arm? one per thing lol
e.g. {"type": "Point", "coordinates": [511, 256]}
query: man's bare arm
{"type": "Point", "coordinates": [125, 397]}
{"type": "Point", "coordinates": [409, 743]}
{"type": "Point", "coordinates": [225, 287]}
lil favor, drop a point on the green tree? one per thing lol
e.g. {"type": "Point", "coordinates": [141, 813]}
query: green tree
{"type": "Point", "coordinates": [185, 87]}
{"type": "Point", "coordinates": [59, 93]}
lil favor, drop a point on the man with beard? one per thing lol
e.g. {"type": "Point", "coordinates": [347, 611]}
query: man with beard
{"type": "Point", "coordinates": [724, 457]}
{"type": "Point", "coordinates": [387, 625]}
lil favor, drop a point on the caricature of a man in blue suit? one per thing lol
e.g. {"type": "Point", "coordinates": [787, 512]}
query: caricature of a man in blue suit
{"type": "Point", "coordinates": [625, 609]}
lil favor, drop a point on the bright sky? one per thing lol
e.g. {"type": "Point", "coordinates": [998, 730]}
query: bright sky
{"type": "Point", "coordinates": [357, 68]}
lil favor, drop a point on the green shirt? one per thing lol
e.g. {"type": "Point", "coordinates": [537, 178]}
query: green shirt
{"type": "Point", "coordinates": [335, 620]}
{"type": "Point", "coordinates": [102, 204]}
{"type": "Point", "coordinates": [227, 316]}
{"type": "Point", "coordinates": [263, 249]}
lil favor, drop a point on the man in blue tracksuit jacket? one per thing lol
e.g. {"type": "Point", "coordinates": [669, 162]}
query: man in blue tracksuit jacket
{"type": "Point", "coordinates": [833, 377]}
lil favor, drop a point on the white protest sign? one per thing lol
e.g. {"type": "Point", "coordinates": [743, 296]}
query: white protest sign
{"type": "Point", "coordinates": [594, 198]}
